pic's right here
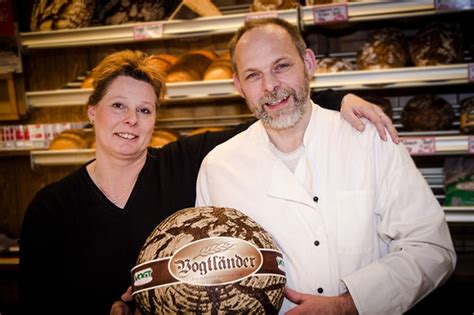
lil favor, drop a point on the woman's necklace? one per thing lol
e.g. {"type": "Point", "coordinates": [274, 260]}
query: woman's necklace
{"type": "Point", "coordinates": [115, 201]}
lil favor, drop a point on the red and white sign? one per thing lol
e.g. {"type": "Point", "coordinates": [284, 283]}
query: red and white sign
{"type": "Point", "coordinates": [420, 145]}
{"type": "Point", "coordinates": [148, 31]}
{"type": "Point", "coordinates": [323, 14]}
{"type": "Point", "coordinates": [470, 72]}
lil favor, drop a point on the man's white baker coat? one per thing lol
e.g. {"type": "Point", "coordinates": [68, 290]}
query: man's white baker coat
{"type": "Point", "coordinates": [381, 232]}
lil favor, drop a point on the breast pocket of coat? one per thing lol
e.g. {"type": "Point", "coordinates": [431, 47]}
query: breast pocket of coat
{"type": "Point", "coordinates": [355, 222]}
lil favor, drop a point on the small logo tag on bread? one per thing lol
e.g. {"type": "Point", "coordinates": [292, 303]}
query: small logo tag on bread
{"type": "Point", "coordinates": [143, 277]}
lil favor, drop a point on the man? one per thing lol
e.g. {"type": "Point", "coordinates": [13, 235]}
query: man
{"type": "Point", "coordinates": [359, 227]}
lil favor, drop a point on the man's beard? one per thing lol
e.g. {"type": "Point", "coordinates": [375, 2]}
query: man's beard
{"type": "Point", "coordinates": [288, 116]}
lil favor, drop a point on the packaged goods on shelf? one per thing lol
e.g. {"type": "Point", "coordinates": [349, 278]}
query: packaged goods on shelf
{"type": "Point", "coordinates": [33, 136]}
{"type": "Point", "coordinates": [459, 181]}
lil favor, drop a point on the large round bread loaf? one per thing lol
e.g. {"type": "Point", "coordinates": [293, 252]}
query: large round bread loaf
{"type": "Point", "coordinates": [436, 44]}
{"type": "Point", "coordinates": [209, 261]}
{"type": "Point", "coordinates": [427, 112]}
{"type": "Point", "coordinates": [384, 49]}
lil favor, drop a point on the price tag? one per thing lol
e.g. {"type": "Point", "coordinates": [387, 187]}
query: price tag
{"type": "Point", "coordinates": [420, 145]}
{"type": "Point", "coordinates": [453, 4]}
{"type": "Point", "coordinates": [148, 31]}
{"type": "Point", "coordinates": [470, 143]}
{"type": "Point", "coordinates": [261, 15]}
{"type": "Point", "coordinates": [330, 13]}
{"type": "Point", "coordinates": [470, 72]}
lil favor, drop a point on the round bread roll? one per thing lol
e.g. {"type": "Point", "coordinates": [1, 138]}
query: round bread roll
{"type": "Point", "coordinates": [427, 112]}
{"type": "Point", "coordinates": [384, 49]}
{"type": "Point", "coordinates": [205, 52]}
{"type": "Point", "coordinates": [70, 139]}
{"type": "Point", "coordinates": [436, 44]}
{"type": "Point", "coordinates": [161, 137]}
{"type": "Point", "coordinates": [272, 5]}
{"type": "Point", "coordinates": [190, 67]}
{"type": "Point", "coordinates": [161, 63]}
{"type": "Point", "coordinates": [170, 58]}
{"type": "Point", "coordinates": [467, 116]}
{"type": "Point", "coordinates": [218, 70]}
{"type": "Point", "coordinates": [87, 83]}
{"type": "Point", "coordinates": [334, 64]}
{"type": "Point", "coordinates": [209, 261]}
{"type": "Point", "coordinates": [203, 130]}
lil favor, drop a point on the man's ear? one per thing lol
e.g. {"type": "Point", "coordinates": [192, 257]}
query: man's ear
{"type": "Point", "coordinates": [236, 80]}
{"type": "Point", "coordinates": [310, 62]}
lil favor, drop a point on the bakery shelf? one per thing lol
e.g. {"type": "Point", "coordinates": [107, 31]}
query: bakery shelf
{"type": "Point", "coordinates": [459, 214]}
{"type": "Point", "coordinates": [116, 34]}
{"type": "Point", "coordinates": [414, 76]}
{"type": "Point", "coordinates": [391, 77]}
{"type": "Point", "coordinates": [362, 11]}
{"type": "Point", "coordinates": [61, 157]}
{"type": "Point", "coordinates": [439, 145]}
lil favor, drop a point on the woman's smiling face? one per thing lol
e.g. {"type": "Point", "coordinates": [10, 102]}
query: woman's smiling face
{"type": "Point", "coordinates": [125, 117]}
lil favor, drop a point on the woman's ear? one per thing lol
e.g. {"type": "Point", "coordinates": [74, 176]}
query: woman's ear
{"type": "Point", "coordinates": [91, 113]}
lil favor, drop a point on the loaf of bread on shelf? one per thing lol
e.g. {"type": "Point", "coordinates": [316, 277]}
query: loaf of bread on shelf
{"type": "Point", "coordinates": [427, 112]}
{"type": "Point", "coordinates": [220, 68]}
{"type": "Point", "coordinates": [385, 48]}
{"type": "Point", "coordinates": [466, 122]}
{"type": "Point", "coordinates": [382, 102]}
{"type": "Point", "coordinates": [272, 5]}
{"type": "Point", "coordinates": [163, 136]}
{"type": "Point", "coordinates": [334, 64]}
{"type": "Point", "coordinates": [191, 9]}
{"type": "Point", "coordinates": [71, 139]}
{"type": "Point", "coordinates": [56, 15]}
{"type": "Point", "coordinates": [436, 44]}
{"type": "Point", "coordinates": [88, 82]}
{"type": "Point", "coordinates": [164, 61]}
{"type": "Point", "coordinates": [119, 12]}
{"type": "Point", "coordinates": [191, 66]}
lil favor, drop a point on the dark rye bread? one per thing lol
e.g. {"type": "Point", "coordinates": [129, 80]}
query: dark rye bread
{"type": "Point", "coordinates": [384, 49]}
{"type": "Point", "coordinates": [427, 113]}
{"type": "Point", "coordinates": [209, 260]}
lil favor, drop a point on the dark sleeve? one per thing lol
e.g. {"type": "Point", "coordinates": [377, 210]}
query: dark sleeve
{"type": "Point", "coordinates": [40, 268]}
{"type": "Point", "coordinates": [329, 99]}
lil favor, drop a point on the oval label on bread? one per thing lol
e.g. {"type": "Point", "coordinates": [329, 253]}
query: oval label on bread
{"type": "Point", "coordinates": [215, 261]}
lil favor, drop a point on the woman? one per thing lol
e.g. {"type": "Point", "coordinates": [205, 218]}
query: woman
{"type": "Point", "coordinates": [81, 235]}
